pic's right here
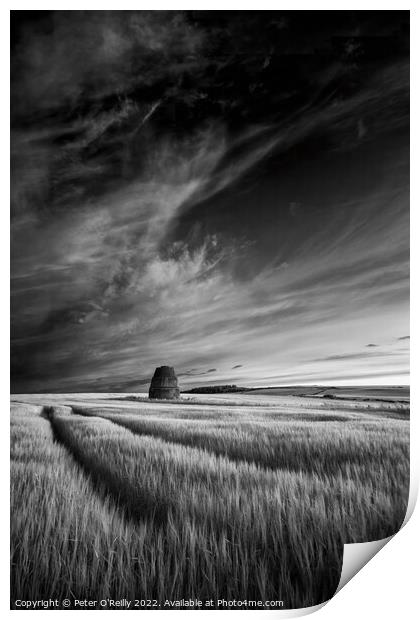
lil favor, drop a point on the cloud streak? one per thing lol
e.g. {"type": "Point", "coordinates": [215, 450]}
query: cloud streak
{"type": "Point", "coordinates": [164, 216]}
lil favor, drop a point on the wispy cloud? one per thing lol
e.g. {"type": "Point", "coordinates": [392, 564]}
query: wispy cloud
{"type": "Point", "coordinates": [353, 356]}
{"type": "Point", "coordinates": [137, 244]}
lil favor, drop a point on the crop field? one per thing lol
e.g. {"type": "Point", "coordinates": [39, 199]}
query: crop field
{"type": "Point", "coordinates": [235, 497]}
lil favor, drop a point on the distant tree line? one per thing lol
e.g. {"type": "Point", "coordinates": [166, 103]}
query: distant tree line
{"type": "Point", "coordinates": [215, 389]}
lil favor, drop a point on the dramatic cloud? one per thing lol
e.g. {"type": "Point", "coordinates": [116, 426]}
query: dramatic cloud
{"type": "Point", "coordinates": [175, 201]}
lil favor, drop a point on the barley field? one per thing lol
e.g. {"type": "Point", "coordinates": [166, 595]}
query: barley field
{"type": "Point", "coordinates": [246, 497]}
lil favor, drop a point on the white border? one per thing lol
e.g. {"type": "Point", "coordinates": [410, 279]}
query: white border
{"type": "Point", "coordinates": [387, 586]}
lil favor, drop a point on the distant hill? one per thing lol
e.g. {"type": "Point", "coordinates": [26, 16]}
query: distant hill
{"type": "Point", "coordinates": [389, 393]}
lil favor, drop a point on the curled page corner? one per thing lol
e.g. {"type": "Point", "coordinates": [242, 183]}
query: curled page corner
{"type": "Point", "coordinates": [357, 555]}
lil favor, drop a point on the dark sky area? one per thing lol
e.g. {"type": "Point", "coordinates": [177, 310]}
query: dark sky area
{"type": "Point", "coordinates": [223, 192]}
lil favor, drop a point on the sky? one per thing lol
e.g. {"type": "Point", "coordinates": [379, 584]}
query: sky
{"type": "Point", "coordinates": [222, 192]}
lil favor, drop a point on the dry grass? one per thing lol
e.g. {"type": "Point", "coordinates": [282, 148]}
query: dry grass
{"type": "Point", "coordinates": [251, 505]}
{"type": "Point", "coordinates": [322, 443]}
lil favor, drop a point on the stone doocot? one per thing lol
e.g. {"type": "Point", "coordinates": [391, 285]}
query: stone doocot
{"type": "Point", "coordinates": [164, 384]}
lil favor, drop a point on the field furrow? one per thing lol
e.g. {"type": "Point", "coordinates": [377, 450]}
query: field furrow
{"type": "Point", "coordinates": [136, 503]}
{"type": "Point", "coordinates": [64, 537]}
{"type": "Point", "coordinates": [295, 445]}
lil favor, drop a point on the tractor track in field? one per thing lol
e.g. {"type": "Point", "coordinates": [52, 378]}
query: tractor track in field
{"type": "Point", "coordinates": [144, 508]}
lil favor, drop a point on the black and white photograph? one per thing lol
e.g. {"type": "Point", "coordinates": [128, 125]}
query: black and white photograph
{"type": "Point", "coordinates": [210, 287]}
